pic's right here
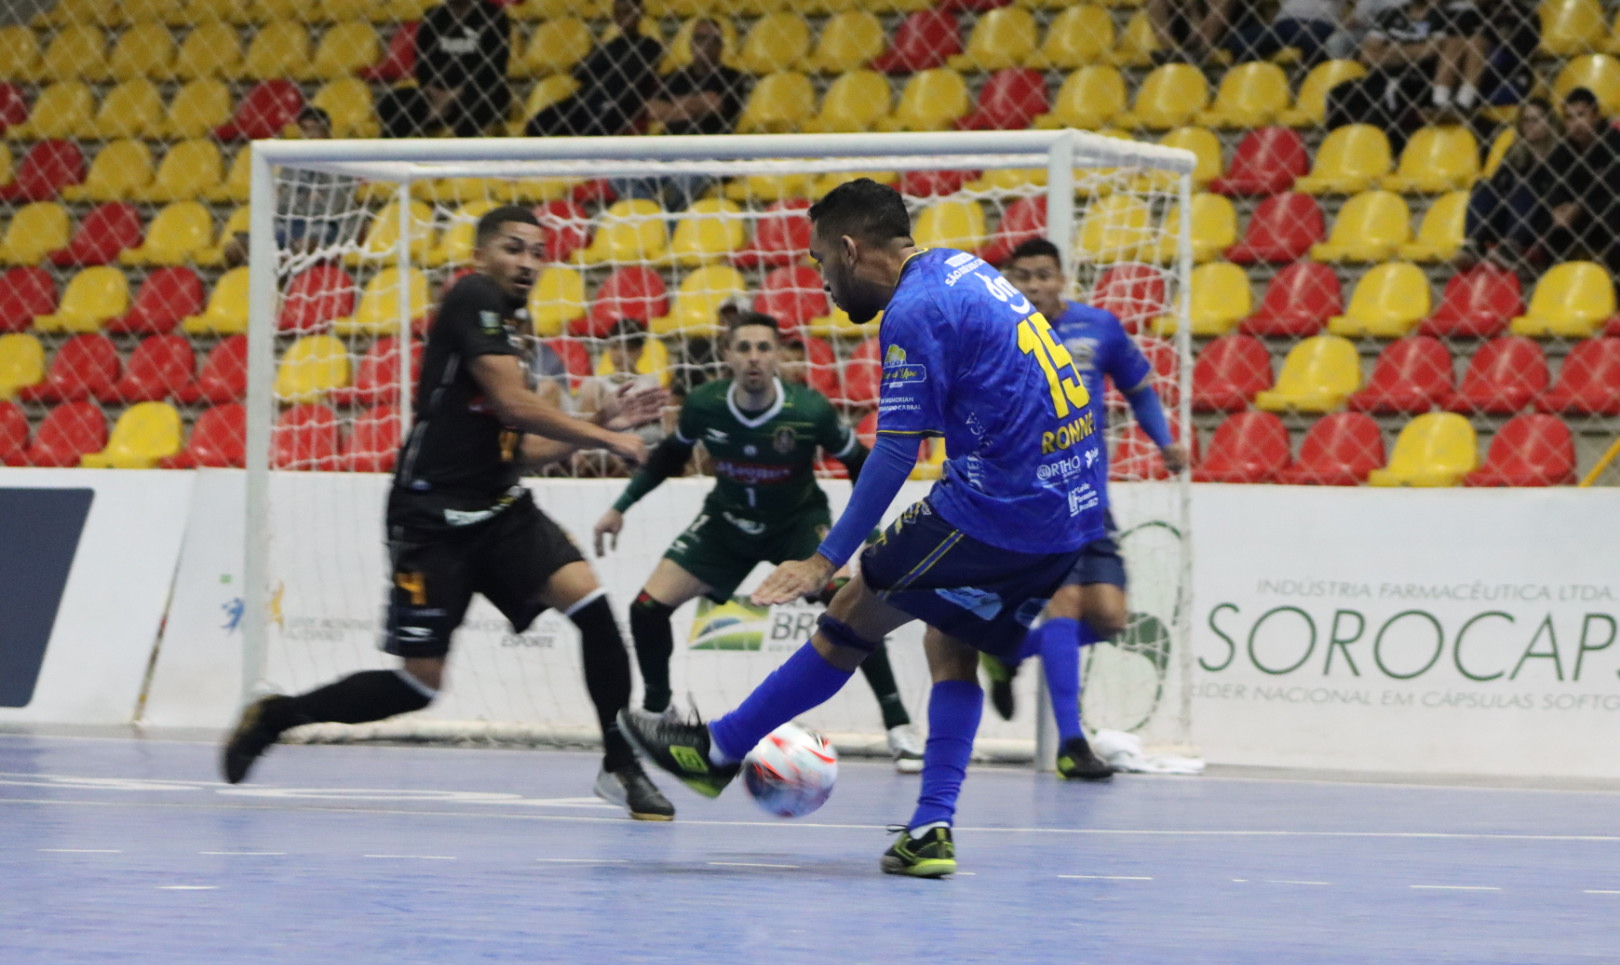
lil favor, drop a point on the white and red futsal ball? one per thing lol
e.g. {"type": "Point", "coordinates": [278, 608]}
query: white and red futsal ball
{"type": "Point", "coordinates": [791, 772]}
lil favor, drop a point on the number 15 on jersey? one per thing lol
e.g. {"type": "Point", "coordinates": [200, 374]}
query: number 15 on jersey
{"type": "Point", "coordinates": [1068, 391]}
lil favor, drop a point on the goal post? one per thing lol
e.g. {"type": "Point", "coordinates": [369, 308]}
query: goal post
{"type": "Point", "coordinates": [314, 563]}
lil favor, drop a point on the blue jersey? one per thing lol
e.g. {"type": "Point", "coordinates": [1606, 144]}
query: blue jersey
{"type": "Point", "coordinates": [967, 357]}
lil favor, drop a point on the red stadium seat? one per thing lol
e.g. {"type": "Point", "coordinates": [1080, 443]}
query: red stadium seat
{"type": "Point", "coordinates": [1266, 161]}
{"type": "Point", "coordinates": [13, 106]}
{"type": "Point", "coordinates": [1249, 447]}
{"type": "Point", "coordinates": [924, 40]}
{"type": "Point", "coordinates": [793, 296]}
{"type": "Point", "coordinates": [224, 374]}
{"type": "Point", "coordinates": [68, 432]}
{"type": "Point", "coordinates": [1412, 375]}
{"type": "Point", "coordinates": [781, 235]}
{"type": "Point", "coordinates": [1024, 219]}
{"type": "Point", "coordinates": [373, 444]}
{"type": "Point", "coordinates": [85, 367]}
{"type": "Point", "coordinates": [47, 168]}
{"type": "Point", "coordinates": [376, 375]}
{"type": "Point", "coordinates": [164, 298]}
{"type": "Point", "coordinates": [161, 367]}
{"type": "Point", "coordinates": [1476, 304]}
{"type": "Point", "coordinates": [1339, 450]}
{"type": "Point", "coordinates": [1529, 450]}
{"type": "Point", "coordinates": [1283, 228]}
{"type": "Point", "coordinates": [1587, 383]}
{"type": "Point", "coordinates": [933, 184]}
{"type": "Point", "coordinates": [1503, 377]}
{"type": "Point", "coordinates": [633, 291]}
{"type": "Point", "coordinates": [862, 374]}
{"type": "Point", "coordinates": [314, 297]}
{"type": "Point", "coordinates": [1009, 101]}
{"type": "Point", "coordinates": [305, 437]}
{"type": "Point", "coordinates": [565, 226]}
{"type": "Point", "coordinates": [104, 232]}
{"type": "Point", "coordinates": [866, 429]}
{"type": "Point", "coordinates": [399, 61]}
{"type": "Point", "coordinates": [25, 291]}
{"type": "Point", "coordinates": [1299, 301]}
{"type": "Point", "coordinates": [575, 356]}
{"type": "Point", "coordinates": [1229, 373]}
{"type": "Point", "coordinates": [1137, 457]}
{"type": "Point", "coordinates": [13, 434]}
{"type": "Point", "coordinates": [821, 368]}
{"type": "Point", "coordinates": [267, 107]}
{"type": "Point", "coordinates": [1161, 354]}
{"type": "Point", "coordinates": [1134, 293]}
{"type": "Point", "coordinates": [218, 440]}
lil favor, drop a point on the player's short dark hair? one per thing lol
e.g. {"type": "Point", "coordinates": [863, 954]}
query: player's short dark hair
{"type": "Point", "coordinates": [1035, 248]}
{"type": "Point", "coordinates": [631, 331]}
{"type": "Point", "coordinates": [863, 209]}
{"type": "Point", "coordinates": [1581, 95]}
{"type": "Point", "coordinates": [317, 115]}
{"type": "Point", "coordinates": [490, 224]}
{"type": "Point", "coordinates": [746, 319]}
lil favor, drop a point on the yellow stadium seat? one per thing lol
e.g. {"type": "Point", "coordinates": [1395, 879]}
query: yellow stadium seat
{"type": "Point", "coordinates": [345, 49]}
{"type": "Point", "coordinates": [930, 464]}
{"type": "Point", "coordinates": [854, 102]}
{"type": "Point", "coordinates": [1440, 235]}
{"type": "Point", "coordinates": [848, 41]}
{"type": "Point", "coordinates": [22, 363]}
{"type": "Point", "coordinates": [197, 108]}
{"type": "Point", "coordinates": [63, 110]}
{"type": "Point", "coordinates": [1599, 73]}
{"type": "Point", "coordinates": [19, 50]}
{"type": "Point", "coordinates": [272, 11]}
{"type": "Point", "coordinates": [312, 367]}
{"type": "Point", "coordinates": [554, 48]}
{"type": "Point", "coordinates": [120, 170]}
{"type": "Point", "coordinates": [1572, 300]}
{"type": "Point", "coordinates": [1214, 229]}
{"type": "Point", "coordinates": [708, 231]}
{"type": "Point", "coordinates": [347, 101]}
{"type": "Point", "coordinates": [536, 190]}
{"type": "Point", "coordinates": [1250, 95]}
{"type": "Point", "coordinates": [35, 231]}
{"type": "Point", "coordinates": [1499, 148]}
{"type": "Point", "coordinates": [145, 433]}
{"type": "Point", "coordinates": [454, 245]}
{"type": "Point", "coordinates": [832, 179]}
{"type": "Point", "coordinates": [210, 50]}
{"type": "Point", "coordinates": [1172, 95]}
{"type": "Point", "coordinates": [279, 49]}
{"type": "Point", "coordinates": [1318, 374]}
{"type": "Point", "coordinates": [680, 46]}
{"type": "Point", "coordinates": [546, 92]}
{"type": "Point", "coordinates": [1089, 98]}
{"type": "Point", "coordinates": [1352, 158]}
{"type": "Point", "coordinates": [213, 256]}
{"type": "Point", "coordinates": [1206, 147]}
{"type": "Point", "coordinates": [1572, 27]}
{"type": "Point", "coordinates": [92, 297]}
{"type": "Point", "coordinates": [1310, 107]}
{"type": "Point", "coordinates": [67, 12]}
{"type": "Point", "coordinates": [654, 361]}
{"type": "Point", "coordinates": [951, 224]}
{"type": "Point", "coordinates": [632, 230]}
{"type": "Point", "coordinates": [558, 297]}
{"type": "Point", "coordinates": [1434, 449]}
{"type": "Point", "coordinates": [132, 109]}
{"type": "Point", "coordinates": [1078, 36]}
{"type": "Point", "coordinates": [777, 41]}
{"type": "Point", "coordinates": [1008, 180]}
{"type": "Point", "coordinates": [552, 9]}
{"type": "Point", "coordinates": [5, 163]}
{"type": "Point", "coordinates": [144, 50]}
{"type": "Point", "coordinates": [71, 51]}
{"type": "Point", "coordinates": [1220, 299]}
{"type": "Point", "coordinates": [227, 310]}
{"type": "Point", "coordinates": [1369, 228]}
{"type": "Point", "coordinates": [191, 12]}
{"type": "Point", "coordinates": [1114, 229]}
{"type": "Point", "coordinates": [238, 180]}
{"type": "Point", "coordinates": [1612, 44]}
{"type": "Point", "coordinates": [188, 172]}
{"type": "Point", "coordinates": [779, 103]}
{"type": "Point", "coordinates": [698, 301]}
{"type": "Point", "coordinates": [1001, 38]}
{"type": "Point", "coordinates": [1387, 302]}
{"type": "Point", "coordinates": [378, 311]}
{"type": "Point", "coordinates": [765, 188]}
{"type": "Point", "coordinates": [836, 324]}
{"type": "Point", "coordinates": [463, 190]}
{"type": "Point", "coordinates": [930, 101]}
{"type": "Point", "coordinates": [1137, 43]}
{"type": "Point", "coordinates": [175, 236]}
{"type": "Point", "coordinates": [1436, 159]}
{"type": "Point", "coordinates": [163, 12]}
{"type": "Point", "coordinates": [382, 234]}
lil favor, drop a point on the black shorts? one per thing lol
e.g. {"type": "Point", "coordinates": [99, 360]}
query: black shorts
{"type": "Point", "coordinates": [507, 559]}
{"type": "Point", "coordinates": [1099, 561]}
{"type": "Point", "coordinates": [980, 594]}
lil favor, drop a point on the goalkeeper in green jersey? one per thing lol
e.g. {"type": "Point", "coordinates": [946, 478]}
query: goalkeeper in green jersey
{"type": "Point", "coordinates": [761, 434]}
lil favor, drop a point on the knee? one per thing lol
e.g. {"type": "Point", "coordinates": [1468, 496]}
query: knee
{"type": "Point", "coordinates": [1066, 603]}
{"type": "Point", "coordinates": [647, 608]}
{"type": "Point", "coordinates": [1108, 621]}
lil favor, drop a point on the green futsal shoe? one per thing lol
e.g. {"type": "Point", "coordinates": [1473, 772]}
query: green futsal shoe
{"type": "Point", "coordinates": [931, 856]}
{"type": "Point", "coordinates": [679, 747]}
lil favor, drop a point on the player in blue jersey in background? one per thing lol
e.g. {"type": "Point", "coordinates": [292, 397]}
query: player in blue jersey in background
{"type": "Point", "coordinates": [1091, 605]}
{"type": "Point", "coordinates": [966, 357]}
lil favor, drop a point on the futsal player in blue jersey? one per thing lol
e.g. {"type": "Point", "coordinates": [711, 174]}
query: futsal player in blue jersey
{"type": "Point", "coordinates": [1091, 605]}
{"type": "Point", "coordinates": [968, 358]}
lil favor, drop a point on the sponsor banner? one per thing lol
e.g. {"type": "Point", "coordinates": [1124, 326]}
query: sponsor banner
{"type": "Point", "coordinates": [1449, 631]}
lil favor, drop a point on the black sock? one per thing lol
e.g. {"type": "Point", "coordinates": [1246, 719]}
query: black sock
{"type": "Point", "coordinates": [880, 676]}
{"type": "Point", "coordinates": [357, 698]}
{"type": "Point", "coordinates": [655, 643]}
{"type": "Point", "coordinates": [607, 676]}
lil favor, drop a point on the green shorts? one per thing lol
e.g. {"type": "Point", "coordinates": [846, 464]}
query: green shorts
{"type": "Point", "coordinates": [722, 554]}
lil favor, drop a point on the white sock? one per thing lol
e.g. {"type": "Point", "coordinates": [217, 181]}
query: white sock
{"type": "Point", "coordinates": [1466, 96]}
{"type": "Point", "coordinates": [717, 757]}
{"type": "Point", "coordinates": [1442, 96]}
{"type": "Point", "coordinates": [924, 829]}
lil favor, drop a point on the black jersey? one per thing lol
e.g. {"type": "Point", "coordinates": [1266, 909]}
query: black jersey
{"type": "Point", "coordinates": [458, 465]}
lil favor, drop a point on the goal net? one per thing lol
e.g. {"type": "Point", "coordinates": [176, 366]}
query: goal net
{"type": "Point", "coordinates": [649, 242]}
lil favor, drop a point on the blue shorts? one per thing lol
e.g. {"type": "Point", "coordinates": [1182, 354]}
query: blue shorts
{"type": "Point", "coordinates": [979, 594]}
{"type": "Point", "coordinates": [1099, 561]}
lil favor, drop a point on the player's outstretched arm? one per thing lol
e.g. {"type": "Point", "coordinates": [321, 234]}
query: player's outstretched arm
{"type": "Point", "coordinates": [1149, 413]}
{"type": "Point", "coordinates": [501, 378]}
{"type": "Point", "coordinates": [667, 460]}
{"type": "Point", "coordinates": [627, 408]}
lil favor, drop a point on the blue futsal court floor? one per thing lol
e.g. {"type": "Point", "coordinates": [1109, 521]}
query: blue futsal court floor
{"type": "Point", "coordinates": [129, 851]}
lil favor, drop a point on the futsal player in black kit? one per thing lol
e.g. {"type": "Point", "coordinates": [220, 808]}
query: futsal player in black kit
{"type": "Point", "coordinates": [461, 522]}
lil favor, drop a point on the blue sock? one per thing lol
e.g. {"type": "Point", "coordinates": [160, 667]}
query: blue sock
{"type": "Point", "coordinates": [1059, 642]}
{"type": "Point", "coordinates": [954, 707]}
{"type": "Point", "coordinates": [804, 681]}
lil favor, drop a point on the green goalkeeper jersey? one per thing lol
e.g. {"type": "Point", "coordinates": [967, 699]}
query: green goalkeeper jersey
{"type": "Point", "coordinates": [764, 462]}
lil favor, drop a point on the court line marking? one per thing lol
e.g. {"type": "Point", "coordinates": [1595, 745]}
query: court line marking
{"type": "Point", "coordinates": [751, 864]}
{"type": "Point", "coordinates": [1595, 891]}
{"type": "Point", "coordinates": [188, 887]}
{"type": "Point", "coordinates": [1455, 887]}
{"type": "Point", "coordinates": [414, 857]}
{"type": "Point", "coordinates": [1285, 881]}
{"type": "Point", "coordinates": [1109, 877]}
{"type": "Point", "coordinates": [244, 853]}
{"type": "Point", "coordinates": [78, 851]}
{"type": "Point", "coordinates": [584, 860]}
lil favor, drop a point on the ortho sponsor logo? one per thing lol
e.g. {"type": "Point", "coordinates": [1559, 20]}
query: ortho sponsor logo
{"type": "Point", "coordinates": [39, 536]}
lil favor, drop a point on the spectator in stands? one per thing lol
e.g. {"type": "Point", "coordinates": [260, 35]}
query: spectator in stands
{"type": "Point", "coordinates": [1306, 25]}
{"type": "Point", "coordinates": [1507, 212]}
{"type": "Point", "coordinates": [794, 364]}
{"type": "Point", "coordinates": [1347, 42]}
{"type": "Point", "coordinates": [550, 374]}
{"type": "Point", "coordinates": [1424, 62]}
{"type": "Point", "coordinates": [1584, 203]}
{"type": "Point", "coordinates": [314, 209]}
{"type": "Point", "coordinates": [626, 344]}
{"type": "Point", "coordinates": [1191, 30]}
{"type": "Point", "coordinates": [616, 80]}
{"type": "Point", "coordinates": [462, 48]}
